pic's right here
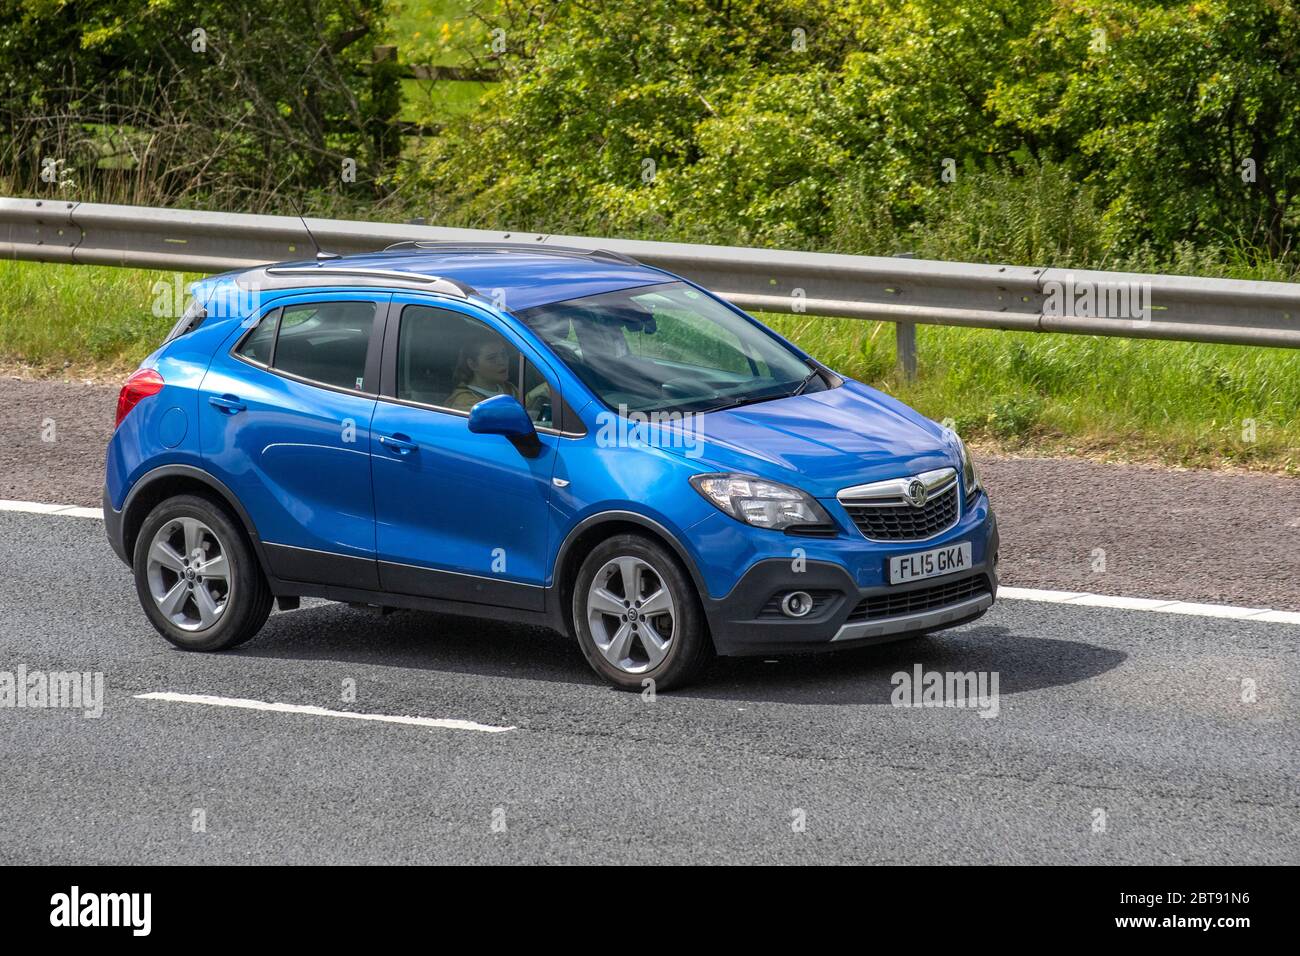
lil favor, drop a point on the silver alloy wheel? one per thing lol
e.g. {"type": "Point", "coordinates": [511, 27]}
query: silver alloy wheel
{"type": "Point", "coordinates": [189, 576]}
{"type": "Point", "coordinates": [631, 614]}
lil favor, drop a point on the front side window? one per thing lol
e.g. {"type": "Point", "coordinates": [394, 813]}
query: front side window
{"type": "Point", "coordinates": [669, 347]}
{"type": "Point", "coordinates": [450, 360]}
{"type": "Point", "coordinates": [325, 342]}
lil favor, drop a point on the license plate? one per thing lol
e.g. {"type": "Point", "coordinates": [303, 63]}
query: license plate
{"type": "Point", "coordinates": [929, 564]}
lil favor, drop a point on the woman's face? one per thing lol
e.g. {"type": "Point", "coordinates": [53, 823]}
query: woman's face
{"type": "Point", "coordinates": [491, 366]}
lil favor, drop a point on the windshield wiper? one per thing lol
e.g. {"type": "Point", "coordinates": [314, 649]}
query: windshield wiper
{"type": "Point", "coordinates": [806, 382]}
{"type": "Point", "coordinates": [741, 400]}
{"type": "Point", "coordinates": [755, 399]}
{"type": "Point", "coordinates": [734, 403]}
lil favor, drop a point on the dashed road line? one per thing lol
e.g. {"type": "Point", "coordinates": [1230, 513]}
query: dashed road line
{"type": "Point", "coordinates": [41, 508]}
{"type": "Point", "coordinates": [247, 704]}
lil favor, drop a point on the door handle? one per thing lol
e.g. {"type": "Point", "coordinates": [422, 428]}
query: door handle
{"type": "Point", "coordinates": [397, 444]}
{"type": "Point", "coordinates": [226, 403]}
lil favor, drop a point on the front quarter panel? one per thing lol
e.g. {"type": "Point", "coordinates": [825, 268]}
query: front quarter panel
{"type": "Point", "coordinates": [640, 479]}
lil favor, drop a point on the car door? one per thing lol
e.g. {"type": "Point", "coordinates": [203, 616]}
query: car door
{"type": "Point", "coordinates": [284, 421]}
{"type": "Point", "coordinates": [458, 515]}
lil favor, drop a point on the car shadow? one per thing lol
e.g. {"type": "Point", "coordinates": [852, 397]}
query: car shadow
{"type": "Point", "coordinates": [865, 675]}
{"type": "Point", "coordinates": [435, 642]}
{"type": "Point", "coordinates": [423, 641]}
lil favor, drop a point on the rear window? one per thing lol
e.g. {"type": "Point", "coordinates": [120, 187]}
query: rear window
{"type": "Point", "coordinates": [188, 322]}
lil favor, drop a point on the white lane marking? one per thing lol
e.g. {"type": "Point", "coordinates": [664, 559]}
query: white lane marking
{"type": "Point", "coordinates": [245, 704]}
{"type": "Point", "coordinates": [1151, 604]}
{"type": "Point", "coordinates": [1084, 598]}
{"type": "Point", "coordinates": [40, 508]}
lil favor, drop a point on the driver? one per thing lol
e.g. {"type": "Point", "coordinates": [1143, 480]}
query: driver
{"type": "Point", "coordinates": [483, 371]}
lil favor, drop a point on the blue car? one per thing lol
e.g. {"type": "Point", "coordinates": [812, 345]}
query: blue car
{"type": "Point", "coordinates": [553, 436]}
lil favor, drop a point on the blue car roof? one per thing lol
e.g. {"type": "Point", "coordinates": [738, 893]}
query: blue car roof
{"type": "Point", "coordinates": [521, 279]}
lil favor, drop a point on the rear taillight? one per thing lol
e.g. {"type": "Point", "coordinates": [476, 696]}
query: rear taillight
{"type": "Point", "coordinates": [142, 383]}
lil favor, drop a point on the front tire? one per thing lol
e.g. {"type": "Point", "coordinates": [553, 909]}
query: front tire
{"type": "Point", "coordinates": [638, 617]}
{"type": "Point", "coordinates": [197, 578]}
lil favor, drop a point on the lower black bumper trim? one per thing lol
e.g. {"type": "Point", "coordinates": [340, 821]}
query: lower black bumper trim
{"type": "Point", "coordinates": [113, 528]}
{"type": "Point", "coordinates": [923, 621]}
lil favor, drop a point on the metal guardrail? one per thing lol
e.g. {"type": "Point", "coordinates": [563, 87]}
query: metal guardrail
{"type": "Point", "coordinates": [899, 290]}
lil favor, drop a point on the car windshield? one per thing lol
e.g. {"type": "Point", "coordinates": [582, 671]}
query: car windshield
{"type": "Point", "coordinates": [669, 347]}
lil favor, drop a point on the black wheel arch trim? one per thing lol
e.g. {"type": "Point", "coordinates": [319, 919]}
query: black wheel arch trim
{"type": "Point", "coordinates": [559, 613]}
{"type": "Point", "coordinates": [186, 471]}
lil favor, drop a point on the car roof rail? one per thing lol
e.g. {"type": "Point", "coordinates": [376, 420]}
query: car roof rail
{"type": "Point", "coordinates": [438, 245]}
{"type": "Point", "coordinates": [442, 283]}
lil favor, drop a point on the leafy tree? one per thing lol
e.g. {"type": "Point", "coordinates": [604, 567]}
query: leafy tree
{"type": "Point", "coordinates": [606, 104]}
{"type": "Point", "coordinates": [224, 98]}
{"type": "Point", "coordinates": [1187, 114]}
{"type": "Point", "coordinates": [1142, 112]}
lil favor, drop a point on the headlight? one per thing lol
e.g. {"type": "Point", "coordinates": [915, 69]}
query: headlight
{"type": "Point", "coordinates": [970, 480]}
{"type": "Point", "coordinates": [764, 504]}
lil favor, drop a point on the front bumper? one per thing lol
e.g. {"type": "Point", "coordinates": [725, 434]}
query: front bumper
{"type": "Point", "coordinates": [748, 620]}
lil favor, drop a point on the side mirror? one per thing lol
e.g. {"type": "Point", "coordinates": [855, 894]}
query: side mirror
{"type": "Point", "coordinates": [503, 415]}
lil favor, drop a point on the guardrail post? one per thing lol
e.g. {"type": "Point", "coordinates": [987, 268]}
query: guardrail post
{"type": "Point", "coordinates": [905, 347]}
{"type": "Point", "coordinates": [905, 339]}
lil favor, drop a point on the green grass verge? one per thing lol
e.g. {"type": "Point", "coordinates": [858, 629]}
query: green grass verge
{"type": "Point", "coordinates": [1169, 402]}
{"type": "Point", "coordinates": [92, 318]}
{"type": "Point", "coordinates": [438, 33]}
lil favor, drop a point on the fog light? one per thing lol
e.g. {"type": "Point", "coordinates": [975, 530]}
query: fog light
{"type": "Point", "coordinates": [796, 604]}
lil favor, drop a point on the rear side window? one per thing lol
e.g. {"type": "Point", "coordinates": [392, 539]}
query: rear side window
{"type": "Point", "coordinates": [323, 342]}
{"type": "Point", "coordinates": [257, 346]}
{"type": "Point", "coordinates": [326, 342]}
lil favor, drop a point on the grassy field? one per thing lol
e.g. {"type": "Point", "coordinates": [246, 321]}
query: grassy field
{"type": "Point", "coordinates": [437, 32]}
{"type": "Point", "coordinates": [1168, 402]}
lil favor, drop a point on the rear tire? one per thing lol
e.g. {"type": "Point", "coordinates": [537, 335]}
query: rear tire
{"type": "Point", "coordinates": [197, 578]}
{"type": "Point", "coordinates": [638, 617]}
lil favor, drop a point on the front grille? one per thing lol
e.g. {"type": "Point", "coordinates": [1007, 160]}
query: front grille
{"type": "Point", "coordinates": [919, 600]}
{"type": "Point", "coordinates": [899, 521]}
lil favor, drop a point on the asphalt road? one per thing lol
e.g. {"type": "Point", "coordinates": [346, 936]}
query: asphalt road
{"type": "Point", "coordinates": [1134, 715]}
